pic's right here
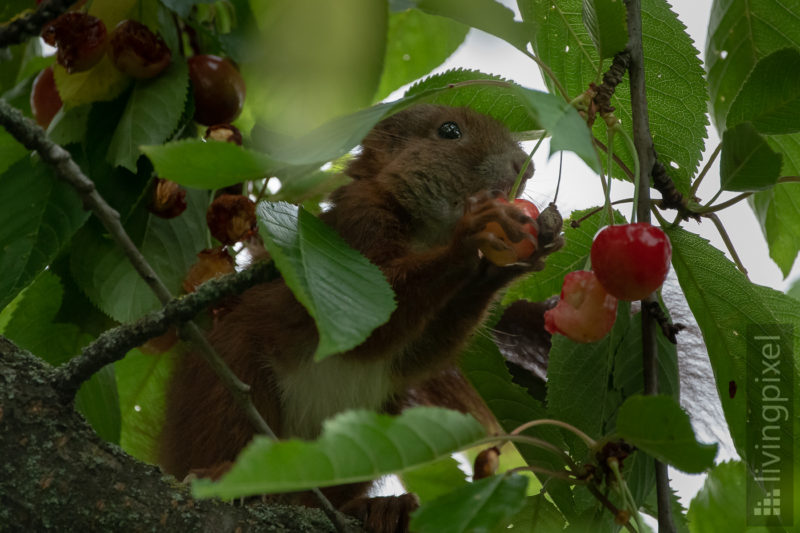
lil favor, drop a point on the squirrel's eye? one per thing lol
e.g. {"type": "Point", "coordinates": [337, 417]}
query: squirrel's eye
{"type": "Point", "coordinates": [449, 130]}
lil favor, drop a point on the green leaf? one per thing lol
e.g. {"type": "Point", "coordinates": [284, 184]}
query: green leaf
{"type": "Point", "coordinates": [778, 209]}
{"type": "Point", "coordinates": [479, 506]}
{"type": "Point", "coordinates": [435, 479]}
{"type": "Point", "coordinates": [769, 97]}
{"type": "Point", "coordinates": [208, 165]}
{"type": "Point", "coordinates": [721, 504]}
{"type": "Point", "coordinates": [676, 90]}
{"type": "Point", "coordinates": [346, 295]}
{"type": "Point", "coordinates": [605, 22]}
{"type": "Point", "coordinates": [312, 61]}
{"type": "Point", "coordinates": [501, 103]}
{"type": "Point", "coordinates": [142, 381]}
{"type": "Point", "coordinates": [69, 125]}
{"type": "Point", "coordinates": [354, 446]}
{"type": "Point", "coordinates": [33, 326]}
{"type": "Point", "coordinates": [512, 406]}
{"type": "Point", "coordinates": [537, 515]}
{"type": "Point", "coordinates": [542, 285]}
{"type": "Point", "coordinates": [486, 15]}
{"type": "Point", "coordinates": [40, 217]}
{"type": "Point", "coordinates": [578, 380]}
{"type": "Point", "coordinates": [151, 114]}
{"type": "Point", "coordinates": [794, 290]}
{"type": "Point", "coordinates": [107, 277]}
{"type": "Point", "coordinates": [416, 44]}
{"type": "Point", "coordinates": [11, 150]}
{"type": "Point", "coordinates": [726, 305]}
{"type": "Point", "coordinates": [740, 33]}
{"type": "Point", "coordinates": [747, 163]}
{"type": "Point", "coordinates": [568, 131]}
{"type": "Point", "coordinates": [628, 377]}
{"type": "Point", "coordinates": [658, 426]}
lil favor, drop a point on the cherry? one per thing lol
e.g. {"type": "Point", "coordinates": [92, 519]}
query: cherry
{"type": "Point", "coordinates": [223, 133]}
{"type": "Point", "coordinates": [219, 89]}
{"type": "Point", "coordinates": [585, 312]}
{"type": "Point", "coordinates": [211, 263]}
{"type": "Point", "coordinates": [516, 251]}
{"type": "Point", "coordinates": [137, 51]}
{"type": "Point", "coordinates": [45, 100]}
{"type": "Point", "coordinates": [81, 40]}
{"type": "Point", "coordinates": [168, 199]}
{"type": "Point", "coordinates": [231, 218]}
{"type": "Point", "coordinates": [631, 260]}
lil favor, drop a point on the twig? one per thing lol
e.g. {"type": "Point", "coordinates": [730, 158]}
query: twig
{"type": "Point", "coordinates": [646, 155]}
{"type": "Point", "coordinates": [112, 345]}
{"type": "Point", "coordinates": [30, 25]}
{"type": "Point", "coordinates": [727, 240]}
{"type": "Point", "coordinates": [608, 505]}
{"type": "Point", "coordinates": [33, 137]}
{"type": "Point", "coordinates": [699, 179]}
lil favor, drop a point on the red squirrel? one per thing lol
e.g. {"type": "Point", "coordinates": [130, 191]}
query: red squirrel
{"type": "Point", "coordinates": [423, 189]}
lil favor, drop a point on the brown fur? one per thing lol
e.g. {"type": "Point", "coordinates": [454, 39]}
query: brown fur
{"type": "Point", "coordinates": [416, 208]}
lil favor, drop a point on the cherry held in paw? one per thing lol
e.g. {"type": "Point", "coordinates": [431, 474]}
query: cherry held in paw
{"type": "Point", "coordinates": [585, 312]}
{"type": "Point", "coordinates": [631, 260]}
{"type": "Point", "coordinates": [516, 251]}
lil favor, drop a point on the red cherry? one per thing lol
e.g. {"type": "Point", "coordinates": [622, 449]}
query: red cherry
{"type": "Point", "coordinates": [517, 251]}
{"type": "Point", "coordinates": [137, 51]}
{"type": "Point", "coordinates": [585, 312]}
{"type": "Point", "coordinates": [45, 100]}
{"type": "Point", "coordinates": [219, 89]}
{"type": "Point", "coordinates": [631, 260]}
{"type": "Point", "coordinates": [80, 38]}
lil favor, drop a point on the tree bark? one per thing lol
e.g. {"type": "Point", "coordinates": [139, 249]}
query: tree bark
{"type": "Point", "coordinates": [57, 474]}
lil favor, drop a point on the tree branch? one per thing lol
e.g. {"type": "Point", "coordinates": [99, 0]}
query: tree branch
{"type": "Point", "coordinates": [61, 476]}
{"type": "Point", "coordinates": [30, 25]}
{"type": "Point", "coordinates": [33, 137]}
{"type": "Point", "coordinates": [647, 157]}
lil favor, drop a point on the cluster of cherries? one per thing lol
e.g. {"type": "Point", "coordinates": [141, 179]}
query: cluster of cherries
{"type": "Point", "coordinates": [81, 40]}
{"type": "Point", "coordinates": [629, 262]}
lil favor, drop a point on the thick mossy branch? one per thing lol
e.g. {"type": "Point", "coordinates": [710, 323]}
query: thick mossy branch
{"type": "Point", "coordinates": [58, 475]}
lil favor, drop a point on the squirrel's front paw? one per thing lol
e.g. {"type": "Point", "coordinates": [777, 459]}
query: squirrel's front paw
{"type": "Point", "coordinates": [503, 232]}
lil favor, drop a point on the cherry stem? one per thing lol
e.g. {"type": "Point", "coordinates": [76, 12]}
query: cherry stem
{"type": "Point", "coordinates": [552, 473]}
{"type": "Point", "coordinates": [532, 441]}
{"type": "Point", "coordinates": [590, 214]}
{"type": "Point", "coordinates": [727, 240]}
{"type": "Point", "coordinates": [620, 163]}
{"type": "Point", "coordinates": [625, 492]}
{"type": "Point", "coordinates": [609, 505]}
{"type": "Point", "coordinates": [513, 194]}
{"type": "Point", "coordinates": [636, 172]}
{"type": "Point", "coordinates": [705, 170]}
{"type": "Point", "coordinates": [611, 132]}
{"type": "Point", "coordinates": [558, 182]}
{"type": "Point", "coordinates": [590, 442]}
{"type": "Point", "coordinates": [548, 71]}
{"type": "Point", "coordinates": [736, 199]}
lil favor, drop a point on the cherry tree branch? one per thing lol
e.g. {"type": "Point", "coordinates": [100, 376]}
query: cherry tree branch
{"type": "Point", "coordinates": [30, 135]}
{"type": "Point", "coordinates": [30, 25]}
{"type": "Point", "coordinates": [647, 158]}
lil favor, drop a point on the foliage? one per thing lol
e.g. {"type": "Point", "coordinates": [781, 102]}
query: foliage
{"type": "Point", "coordinates": [316, 76]}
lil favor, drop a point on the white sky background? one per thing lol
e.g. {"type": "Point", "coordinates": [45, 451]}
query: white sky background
{"type": "Point", "coordinates": [581, 188]}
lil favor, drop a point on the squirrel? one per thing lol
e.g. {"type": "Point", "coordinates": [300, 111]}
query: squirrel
{"type": "Point", "coordinates": [423, 189]}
